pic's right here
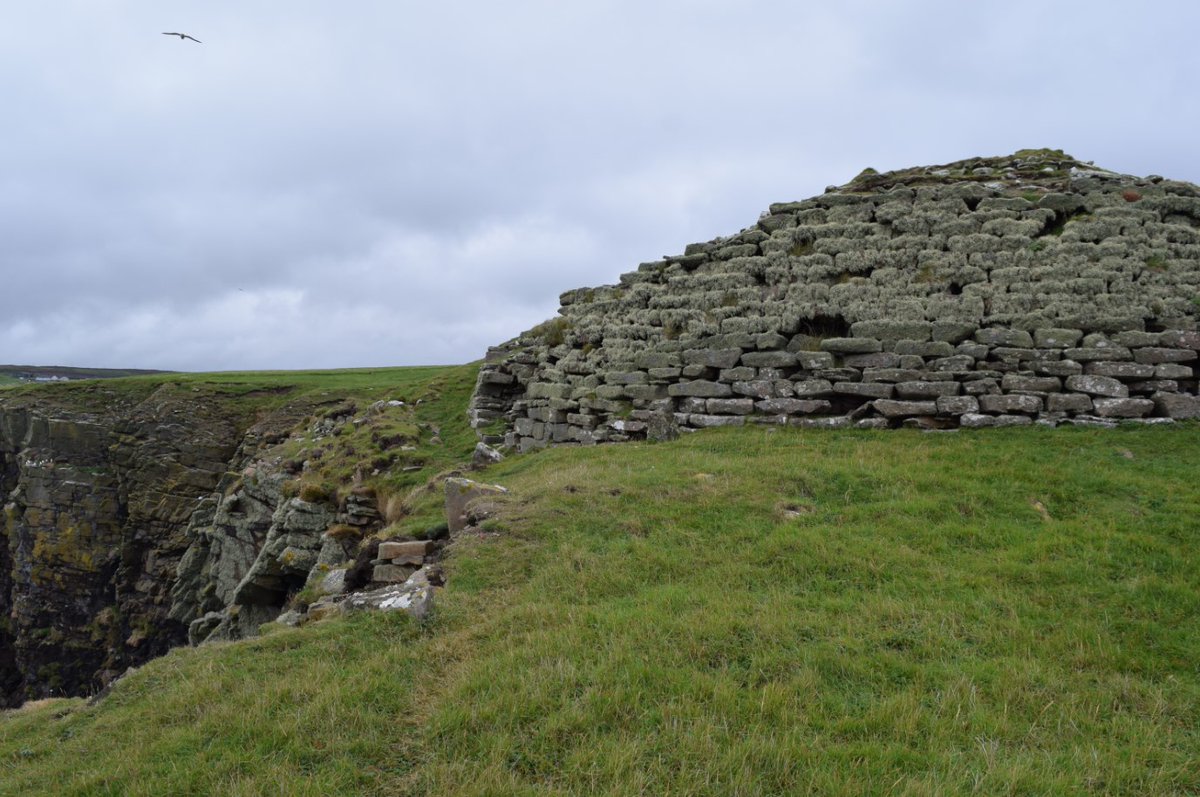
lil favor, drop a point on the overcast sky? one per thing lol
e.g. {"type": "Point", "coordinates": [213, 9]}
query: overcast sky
{"type": "Point", "coordinates": [385, 182]}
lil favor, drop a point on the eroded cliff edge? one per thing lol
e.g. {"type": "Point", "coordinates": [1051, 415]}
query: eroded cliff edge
{"type": "Point", "coordinates": [143, 514]}
{"type": "Point", "coordinates": [97, 499]}
{"type": "Point", "coordinates": [994, 291]}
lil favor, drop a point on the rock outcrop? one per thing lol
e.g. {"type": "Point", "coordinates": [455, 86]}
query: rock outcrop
{"type": "Point", "coordinates": [137, 518]}
{"type": "Point", "coordinates": [96, 503]}
{"type": "Point", "coordinates": [999, 291]}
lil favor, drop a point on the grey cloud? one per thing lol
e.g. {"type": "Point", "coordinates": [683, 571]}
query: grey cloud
{"type": "Point", "coordinates": [397, 183]}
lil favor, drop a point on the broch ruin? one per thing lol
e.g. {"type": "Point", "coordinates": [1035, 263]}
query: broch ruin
{"type": "Point", "coordinates": [1004, 291]}
{"type": "Point", "coordinates": [987, 292]}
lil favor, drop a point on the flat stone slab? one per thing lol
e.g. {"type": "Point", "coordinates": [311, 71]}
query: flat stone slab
{"type": "Point", "coordinates": [903, 409]}
{"type": "Point", "coordinates": [700, 388]}
{"type": "Point", "coordinates": [392, 574]}
{"type": "Point", "coordinates": [1010, 404]}
{"type": "Point", "coordinates": [415, 599]}
{"type": "Point", "coordinates": [1122, 407]}
{"type": "Point", "coordinates": [1097, 386]}
{"type": "Point", "coordinates": [1177, 406]}
{"type": "Point", "coordinates": [459, 495]}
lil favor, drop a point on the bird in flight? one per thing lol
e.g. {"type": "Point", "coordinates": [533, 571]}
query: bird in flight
{"type": "Point", "coordinates": [183, 36]}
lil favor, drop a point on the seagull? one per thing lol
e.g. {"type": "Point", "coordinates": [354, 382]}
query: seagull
{"type": "Point", "coordinates": [183, 36]}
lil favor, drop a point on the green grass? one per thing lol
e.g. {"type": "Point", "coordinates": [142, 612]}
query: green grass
{"type": "Point", "coordinates": [738, 612]}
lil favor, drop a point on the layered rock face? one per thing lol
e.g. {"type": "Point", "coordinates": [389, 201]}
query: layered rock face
{"type": "Point", "coordinates": [96, 506]}
{"type": "Point", "coordinates": [1029, 288]}
{"type": "Point", "coordinates": [133, 522]}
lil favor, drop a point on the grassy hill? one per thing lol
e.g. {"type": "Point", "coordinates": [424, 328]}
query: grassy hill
{"type": "Point", "coordinates": [748, 612]}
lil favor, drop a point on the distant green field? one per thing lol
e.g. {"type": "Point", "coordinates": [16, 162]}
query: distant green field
{"type": "Point", "coordinates": [740, 612]}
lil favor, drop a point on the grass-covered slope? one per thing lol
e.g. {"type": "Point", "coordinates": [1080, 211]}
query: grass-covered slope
{"type": "Point", "coordinates": [739, 612]}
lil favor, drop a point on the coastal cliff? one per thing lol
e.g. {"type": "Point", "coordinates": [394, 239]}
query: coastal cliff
{"type": "Point", "coordinates": [139, 515]}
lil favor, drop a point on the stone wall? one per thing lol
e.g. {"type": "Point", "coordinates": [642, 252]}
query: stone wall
{"type": "Point", "coordinates": [986, 292]}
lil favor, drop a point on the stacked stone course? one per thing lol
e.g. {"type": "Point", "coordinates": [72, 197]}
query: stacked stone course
{"type": "Point", "coordinates": [995, 292]}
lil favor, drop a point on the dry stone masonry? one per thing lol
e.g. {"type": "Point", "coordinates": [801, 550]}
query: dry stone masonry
{"type": "Point", "coordinates": [989, 292]}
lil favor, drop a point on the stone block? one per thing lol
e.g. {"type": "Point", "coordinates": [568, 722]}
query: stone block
{"type": "Point", "coordinates": [712, 358]}
{"type": "Point", "coordinates": [957, 405]}
{"type": "Point", "coordinates": [1137, 339]}
{"type": "Point", "coordinates": [820, 423]}
{"type": "Point", "coordinates": [959, 362]}
{"type": "Point", "coordinates": [953, 332]}
{"type": "Point", "coordinates": [814, 360]}
{"type": "Point", "coordinates": [838, 374]}
{"type": "Point", "coordinates": [394, 549]}
{"type": "Point", "coordinates": [691, 404]}
{"type": "Point", "coordinates": [645, 392]}
{"type": "Point", "coordinates": [666, 373]}
{"type": "Point", "coordinates": [461, 493]}
{"type": "Point", "coordinates": [625, 378]}
{"type": "Point", "coordinates": [812, 388]}
{"type": "Point", "coordinates": [1003, 336]}
{"type": "Point", "coordinates": [1013, 403]}
{"type": "Point", "coordinates": [741, 373]}
{"type": "Point", "coordinates": [892, 330]}
{"type": "Point", "coordinates": [1056, 338]}
{"type": "Point", "coordinates": [1154, 386]}
{"type": "Point", "coordinates": [414, 598]}
{"type": "Point", "coordinates": [791, 406]}
{"type": "Point", "coordinates": [976, 421]}
{"type": "Point", "coordinates": [729, 406]}
{"type": "Point", "coordinates": [1177, 406]}
{"type": "Point", "coordinates": [767, 341]}
{"type": "Point", "coordinates": [1058, 368]}
{"type": "Point", "coordinates": [851, 345]}
{"type": "Point", "coordinates": [1156, 355]}
{"type": "Point", "coordinates": [392, 574]}
{"type": "Point", "coordinates": [879, 390]}
{"type": "Point", "coordinates": [707, 421]}
{"type": "Point", "coordinates": [1069, 402]}
{"type": "Point", "coordinates": [902, 409]}
{"type": "Point", "coordinates": [701, 388]}
{"type": "Point", "coordinates": [1097, 386]}
{"type": "Point", "coordinates": [1016, 383]}
{"type": "Point", "coordinates": [976, 351]}
{"type": "Point", "coordinates": [759, 388]}
{"type": "Point", "coordinates": [929, 348]}
{"type": "Point", "coordinates": [1098, 354]}
{"type": "Point", "coordinates": [1011, 354]}
{"type": "Point", "coordinates": [1180, 339]}
{"type": "Point", "coordinates": [496, 378]}
{"type": "Point", "coordinates": [1173, 371]}
{"type": "Point", "coordinates": [1122, 407]}
{"type": "Point", "coordinates": [769, 359]}
{"type": "Point", "coordinates": [921, 389]}
{"type": "Point", "coordinates": [981, 387]}
{"type": "Point", "coordinates": [891, 375]}
{"type": "Point", "coordinates": [1122, 370]}
{"type": "Point", "coordinates": [658, 359]}
{"type": "Point", "coordinates": [547, 390]}
{"type": "Point", "coordinates": [879, 359]}
{"type": "Point", "coordinates": [585, 421]}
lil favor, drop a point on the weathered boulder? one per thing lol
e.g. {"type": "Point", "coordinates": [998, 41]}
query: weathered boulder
{"type": "Point", "coordinates": [463, 496]}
